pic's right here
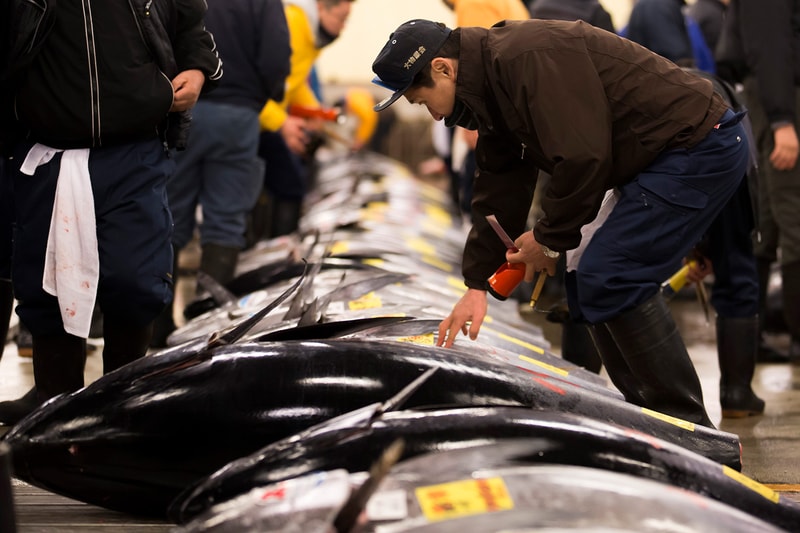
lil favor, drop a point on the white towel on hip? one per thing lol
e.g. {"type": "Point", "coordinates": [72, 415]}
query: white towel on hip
{"type": "Point", "coordinates": [72, 263]}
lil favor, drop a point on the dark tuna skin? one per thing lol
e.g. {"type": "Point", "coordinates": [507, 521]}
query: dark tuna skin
{"type": "Point", "coordinates": [135, 438]}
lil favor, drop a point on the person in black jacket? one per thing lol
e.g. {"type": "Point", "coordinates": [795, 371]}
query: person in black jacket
{"type": "Point", "coordinates": [220, 170]}
{"type": "Point", "coordinates": [760, 48]}
{"type": "Point", "coordinates": [100, 92]}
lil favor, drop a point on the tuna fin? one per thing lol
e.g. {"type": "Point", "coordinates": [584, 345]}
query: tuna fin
{"type": "Point", "coordinates": [400, 398]}
{"type": "Point", "coordinates": [247, 324]}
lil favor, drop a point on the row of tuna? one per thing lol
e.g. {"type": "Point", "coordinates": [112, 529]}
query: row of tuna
{"type": "Point", "coordinates": [308, 394]}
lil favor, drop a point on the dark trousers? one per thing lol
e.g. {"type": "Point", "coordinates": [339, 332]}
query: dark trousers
{"type": "Point", "coordinates": [659, 217]}
{"type": "Point", "coordinates": [134, 228]}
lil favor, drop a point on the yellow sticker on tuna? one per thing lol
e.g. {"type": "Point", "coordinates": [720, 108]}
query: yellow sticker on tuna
{"type": "Point", "coordinates": [425, 339]}
{"type": "Point", "coordinates": [464, 498]}
{"type": "Point", "coordinates": [368, 301]}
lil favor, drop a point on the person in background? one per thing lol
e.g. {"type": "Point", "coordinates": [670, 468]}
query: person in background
{"type": "Point", "coordinates": [671, 149]}
{"type": "Point", "coordinates": [96, 107]}
{"type": "Point", "coordinates": [591, 11]}
{"type": "Point", "coordinates": [481, 13]}
{"type": "Point", "coordinates": [760, 48]}
{"type": "Point", "coordinates": [285, 139]}
{"type": "Point", "coordinates": [220, 170]}
{"type": "Point", "coordinates": [710, 15]}
{"type": "Point", "coordinates": [665, 27]}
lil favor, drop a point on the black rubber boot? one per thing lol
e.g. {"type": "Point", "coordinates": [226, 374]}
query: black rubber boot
{"type": "Point", "coordinates": [58, 363]}
{"type": "Point", "coordinates": [631, 387]}
{"type": "Point", "coordinates": [123, 342]}
{"type": "Point", "coordinates": [790, 280]}
{"type": "Point", "coordinates": [651, 345]}
{"type": "Point", "coordinates": [6, 308]}
{"type": "Point", "coordinates": [577, 346]}
{"type": "Point", "coordinates": [737, 344]}
{"type": "Point", "coordinates": [13, 411]}
{"type": "Point", "coordinates": [219, 261]}
{"type": "Point", "coordinates": [766, 353]}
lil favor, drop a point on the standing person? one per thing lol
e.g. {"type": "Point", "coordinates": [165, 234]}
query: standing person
{"type": "Point", "coordinates": [767, 41]}
{"type": "Point", "coordinates": [760, 48]}
{"type": "Point", "coordinates": [220, 169]}
{"type": "Point", "coordinates": [313, 25]}
{"type": "Point", "coordinates": [597, 112]}
{"type": "Point", "coordinates": [98, 105]}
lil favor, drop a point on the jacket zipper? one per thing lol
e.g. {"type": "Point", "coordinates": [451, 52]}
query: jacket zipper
{"type": "Point", "coordinates": [522, 155]}
{"type": "Point", "coordinates": [94, 81]}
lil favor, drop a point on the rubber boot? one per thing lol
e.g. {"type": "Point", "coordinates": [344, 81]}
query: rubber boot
{"type": "Point", "coordinates": [631, 387]}
{"type": "Point", "coordinates": [219, 261]}
{"type": "Point", "coordinates": [13, 411]}
{"type": "Point", "coordinates": [650, 343]}
{"type": "Point", "coordinates": [123, 342]}
{"type": "Point", "coordinates": [164, 324]}
{"type": "Point", "coordinates": [58, 364]}
{"type": "Point", "coordinates": [766, 353]}
{"type": "Point", "coordinates": [6, 308]}
{"type": "Point", "coordinates": [737, 344]}
{"type": "Point", "coordinates": [577, 346]}
{"type": "Point", "coordinates": [790, 280]}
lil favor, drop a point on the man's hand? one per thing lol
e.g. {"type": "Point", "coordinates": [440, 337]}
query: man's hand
{"type": "Point", "coordinates": [784, 155]}
{"type": "Point", "coordinates": [187, 86]}
{"type": "Point", "coordinates": [699, 269]}
{"type": "Point", "coordinates": [470, 308]}
{"type": "Point", "coordinates": [295, 133]}
{"type": "Point", "coordinates": [530, 253]}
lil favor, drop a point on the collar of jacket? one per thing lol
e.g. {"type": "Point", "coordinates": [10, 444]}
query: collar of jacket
{"type": "Point", "coordinates": [471, 81]}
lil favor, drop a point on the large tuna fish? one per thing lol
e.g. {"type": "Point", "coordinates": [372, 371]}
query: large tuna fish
{"type": "Point", "coordinates": [486, 488]}
{"type": "Point", "coordinates": [353, 441]}
{"type": "Point", "coordinates": [136, 437]}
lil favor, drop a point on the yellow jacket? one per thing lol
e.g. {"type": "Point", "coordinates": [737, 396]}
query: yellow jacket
{"type": "Point", "coordinates": [484, 13]}
{"type": "Point", "coordinates": [304, 53]}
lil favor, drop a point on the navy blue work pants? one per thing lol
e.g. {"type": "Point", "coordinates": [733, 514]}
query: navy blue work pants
{"type": "Point", "coordinates": [134, 227]}
{"type": "Point", "coordinates": [659, 217]}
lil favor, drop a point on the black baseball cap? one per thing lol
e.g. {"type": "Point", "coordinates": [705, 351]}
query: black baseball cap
{"type": "Point", "coordinates": [411, 47]}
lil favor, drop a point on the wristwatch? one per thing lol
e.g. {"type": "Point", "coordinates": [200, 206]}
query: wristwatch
{"type": "Point", "coordinates": [552, 254]}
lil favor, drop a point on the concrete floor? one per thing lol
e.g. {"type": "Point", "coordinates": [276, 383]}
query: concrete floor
{"type": "Point", "coordinates": [771, 443]}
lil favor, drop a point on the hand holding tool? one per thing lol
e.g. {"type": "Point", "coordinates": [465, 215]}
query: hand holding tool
{"type": "Point", "coordinates": [506, 278]}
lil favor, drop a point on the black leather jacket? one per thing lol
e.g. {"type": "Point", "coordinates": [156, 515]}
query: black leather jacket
{"type": "Point", "coordinates": [27, 25]}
